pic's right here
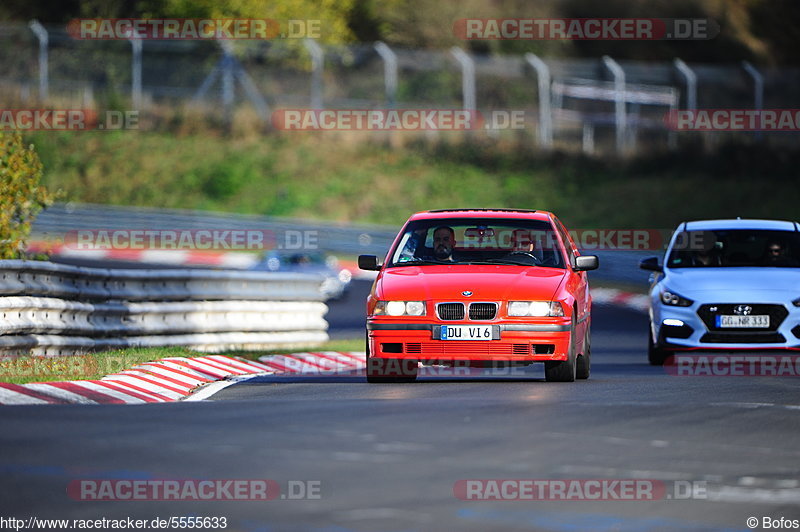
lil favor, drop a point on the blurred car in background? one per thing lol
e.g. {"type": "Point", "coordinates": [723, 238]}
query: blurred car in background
{"type": "Point", "coordinates": [336, 280]}
{"type": "Point", "coordinates": [726, 285]}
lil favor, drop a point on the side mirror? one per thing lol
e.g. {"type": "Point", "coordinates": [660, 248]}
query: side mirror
{"type": "Point", "coordinates": [651, 264]}
{"type": "Point", "coordinates": [585, 263]}
{"type": "Point", "coordinates": [369, 262]}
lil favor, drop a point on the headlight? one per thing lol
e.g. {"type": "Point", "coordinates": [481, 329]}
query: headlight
{"type": "Point", "coordinates": [796, 302]}
{"type": "Point", "coordinates": [674, 300]}
{"type": "Point", "coordinates": [535, 308]}
{"type": "Point", "coordinates": [399, 308]}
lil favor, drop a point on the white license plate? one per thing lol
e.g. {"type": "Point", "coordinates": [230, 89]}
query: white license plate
{"type": "Point", "coordinates": [466, 332]}
{"type": "Point", "coordinates": [753, 322]}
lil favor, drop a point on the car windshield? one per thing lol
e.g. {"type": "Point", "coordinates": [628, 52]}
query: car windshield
{"type": "Point", "coordinates": [478, 241]}
{"type": "Point", "coordinates": [732, 248]}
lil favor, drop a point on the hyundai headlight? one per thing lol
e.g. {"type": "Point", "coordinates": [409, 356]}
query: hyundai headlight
{"type": "Point", "coordinates": [674, 300]}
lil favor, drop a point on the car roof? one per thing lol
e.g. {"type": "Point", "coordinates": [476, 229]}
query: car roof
{"type": "Point", "coordinates": [738, 223]}
{"type": "Point", "coordinates": [483, 213]}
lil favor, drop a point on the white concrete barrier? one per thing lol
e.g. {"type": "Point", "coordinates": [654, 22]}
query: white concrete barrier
{"type": "Point", "coordinates": [54, 309]}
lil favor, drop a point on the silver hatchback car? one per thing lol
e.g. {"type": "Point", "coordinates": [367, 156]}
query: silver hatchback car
{"type": "Point", "coordinates": [726, 285]}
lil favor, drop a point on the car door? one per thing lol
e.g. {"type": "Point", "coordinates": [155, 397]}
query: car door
{"type": "Point", "coordinates": [577, 282]}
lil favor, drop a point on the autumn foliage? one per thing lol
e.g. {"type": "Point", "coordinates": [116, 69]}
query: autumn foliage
{"type": "Point", "coordinates": [21, 194]}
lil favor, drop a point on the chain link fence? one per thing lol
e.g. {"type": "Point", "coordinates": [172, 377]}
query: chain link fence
{"type": "Point", "coordinates": [597, 105]}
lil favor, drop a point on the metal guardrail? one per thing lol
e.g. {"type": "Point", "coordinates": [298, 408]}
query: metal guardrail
{"type": "Point", "coordinates": [60, 219]}
{"type": "Point", "coordinates": [54, 309]}
{"type": "Point", "coordinates": [350, 239]}
{"type": "Point", "coordinates": [40, 278]}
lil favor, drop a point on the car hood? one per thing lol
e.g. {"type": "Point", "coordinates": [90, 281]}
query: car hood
{"type": "Point", "coordinates": [688, 281]}
{"type": "Point", "coordinates": [486, 282]}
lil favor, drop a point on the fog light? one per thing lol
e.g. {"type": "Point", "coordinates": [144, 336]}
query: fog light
{"type": "Point", "coordinates": [673, 322]}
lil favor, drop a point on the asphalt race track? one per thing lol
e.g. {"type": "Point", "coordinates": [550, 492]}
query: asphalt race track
{"type": "Point", "coordinates": [387, 456]}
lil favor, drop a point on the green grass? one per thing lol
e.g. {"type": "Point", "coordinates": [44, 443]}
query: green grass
{"type": "Point", "coordinates": [97, 365]}
{"type": "Point", "coordinates": [356, 344]}
{"type": "Point", "coordinates": [352, 178]}
{"type": "Point", "coordinates": [81, 367]}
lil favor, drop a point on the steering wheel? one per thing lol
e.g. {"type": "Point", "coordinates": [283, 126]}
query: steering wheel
{"type": "Point", "coordinates": [528, 254]}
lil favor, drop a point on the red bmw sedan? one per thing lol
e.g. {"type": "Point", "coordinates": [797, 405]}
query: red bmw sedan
{"type": "Point", "coordinates": [479, 288]}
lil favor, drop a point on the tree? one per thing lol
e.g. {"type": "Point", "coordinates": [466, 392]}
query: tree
{"type": "Point", "coordinates": [21, 194]}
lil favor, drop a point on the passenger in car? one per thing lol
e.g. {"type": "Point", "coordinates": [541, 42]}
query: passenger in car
{"type": "Point", "coordinates": [776, 255]}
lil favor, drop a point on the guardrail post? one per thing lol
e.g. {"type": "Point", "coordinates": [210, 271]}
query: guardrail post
{"type": "Point", "coordinates": [317, 66]}
{"type": "Point", "coordinates": [467, 78]}
{"type": "Point", "coordinates": [136, 71]}
{"type": "Point", "coordinates": [619, 96]}
{"type": "Point", "coordinates": [758, 89]}
{"type": "Point", "coordinates": [44, 78]}
{"type": "Point", "coordinates": [389, 71]}
{"type": "Point", "coordinates": [545, 100]}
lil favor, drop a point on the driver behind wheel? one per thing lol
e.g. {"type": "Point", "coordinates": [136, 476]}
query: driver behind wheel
{"type": "Point", "coordinates": [444, 241]}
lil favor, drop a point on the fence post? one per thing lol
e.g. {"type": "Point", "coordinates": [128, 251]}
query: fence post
{"type": "Point", "coordinates": [389, 71]}
{"type": "Point", "coordinates": [317, 65]}
{"type": "Point", "coordinates": [691, 82]}
{"type": "Point", "coordinates": [44, 78]}
{"type": "Point", "coordinates": [619, 96]}
{"type": "Point", "coordinates": [758, 80]}
{"type": "Point", "coordinates": [758, 89]}
{"type": "Point", "coordinates": [227, 80]}
{"type": "Point", "coordinates": [467, 78]}
{"type": "Point", "coordinates": [136, 70]}
{"type": "Point", "coordinates": [545, 112]}
{"type": "Point", "coordinates": [229, 70]}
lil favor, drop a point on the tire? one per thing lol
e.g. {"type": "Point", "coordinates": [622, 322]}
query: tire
{"type": "Point", "coordinates": [655, 355]}
{"type": "Point", "coordinates": [375, 369]}
{"type": "Point", "coordinates": [584, 362]}
{"type": "Point", "coordinates": [563, 370]}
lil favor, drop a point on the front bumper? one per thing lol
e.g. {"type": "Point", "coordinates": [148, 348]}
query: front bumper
{"type": "Point", "coordinates": [696, 335]}
{"type": "Point", "coordinates": [512, 342]}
